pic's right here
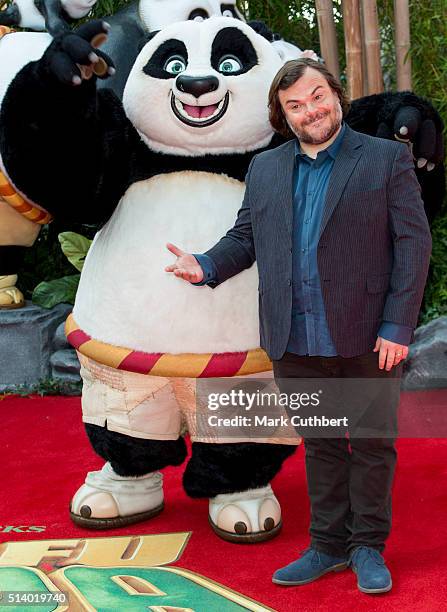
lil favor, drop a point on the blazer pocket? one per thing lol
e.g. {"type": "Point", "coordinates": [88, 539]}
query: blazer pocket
{"type": "Point", "coordinates": [378, 283]}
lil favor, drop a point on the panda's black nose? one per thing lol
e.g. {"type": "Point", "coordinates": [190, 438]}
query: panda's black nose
{"type": "Point", "coordinates": [197, 86]}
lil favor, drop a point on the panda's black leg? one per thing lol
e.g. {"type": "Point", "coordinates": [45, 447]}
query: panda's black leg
{"type": "Point", "coordinates": [236, 478]}
{"type": "Point", "coordinates": [226, 468]}
{"type": "Point", "coordinates": [130, 456]}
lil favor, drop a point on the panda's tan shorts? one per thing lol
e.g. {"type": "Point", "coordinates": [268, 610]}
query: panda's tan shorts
{"type": "Point", "coordinates": [151, 407]}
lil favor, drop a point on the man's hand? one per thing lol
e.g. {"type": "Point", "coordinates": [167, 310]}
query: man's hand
{"type": "Point", "coordinates": [186, 265]}
{"type": "Point", "coordinates": [390, 353]}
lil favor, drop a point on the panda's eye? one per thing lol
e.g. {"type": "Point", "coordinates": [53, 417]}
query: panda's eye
{"type": "Point", "coordinates": [229, 64]}
{"type": "Point", "coordinates": [228, 10]}
{"type": "Point", "coordinates": [198, 15]}
{"type": "Point", "coordinates": [175, 65]}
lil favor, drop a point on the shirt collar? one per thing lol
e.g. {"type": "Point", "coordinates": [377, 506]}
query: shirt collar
{"type": "Point", "coordinates": [332, 149]}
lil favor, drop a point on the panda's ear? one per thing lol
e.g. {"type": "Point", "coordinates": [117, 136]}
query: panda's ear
{"type": "Point", "coordinates": [145, 39]}
{"type": "Point", "coordinates": [262, 29]}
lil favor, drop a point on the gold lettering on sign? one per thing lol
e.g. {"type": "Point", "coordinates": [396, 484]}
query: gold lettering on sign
{"type": "Point", "coordinates": [148, 551]}
{"type": "Point", "coordinates": [125, 551]}
{"type": "Point", "coordinates": [33, 553]}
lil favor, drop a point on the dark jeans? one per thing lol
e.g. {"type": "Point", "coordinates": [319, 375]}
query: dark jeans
{"type": "Point", "coordinates": [349, 479]}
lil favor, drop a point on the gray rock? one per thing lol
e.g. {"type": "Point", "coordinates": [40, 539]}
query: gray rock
{"type": "Point", "coordinates": [65, 365]}
{"type": "Point", "coordinates": [26, 343]}
{"type": "Point", "coordinates": [60, 339]}
{"type": "Point", "coordinates": [426, 364]}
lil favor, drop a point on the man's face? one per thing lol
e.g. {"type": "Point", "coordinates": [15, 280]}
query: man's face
{"type": "Point", "coordinates": [312, 109]}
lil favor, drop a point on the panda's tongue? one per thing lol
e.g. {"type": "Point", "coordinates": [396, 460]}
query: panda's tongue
{"type": "Point", "coordinates": [200, 111]}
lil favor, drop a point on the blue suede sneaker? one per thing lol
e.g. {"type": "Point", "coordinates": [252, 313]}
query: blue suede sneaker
{"type": "Point", "coordinates": [311, 565]}
{"type": "Point", "coordinates": [373, 575]}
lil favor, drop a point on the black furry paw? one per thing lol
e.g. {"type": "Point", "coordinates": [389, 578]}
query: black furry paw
{"type": "Point", "coordinates": [74, 56]}
{"type": "Point", "coordinates": [413, 120]}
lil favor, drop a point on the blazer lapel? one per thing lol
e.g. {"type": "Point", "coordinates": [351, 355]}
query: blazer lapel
{"type": "Point", "coordinates": [284, 182]}
{"type": "Point", "coordinates": [345, 162]}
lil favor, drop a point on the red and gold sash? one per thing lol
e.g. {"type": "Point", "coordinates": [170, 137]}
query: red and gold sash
{"type": "Point", "coordinates": [184, 365]}
{"type": "Point", "coordinates": [22, 206]}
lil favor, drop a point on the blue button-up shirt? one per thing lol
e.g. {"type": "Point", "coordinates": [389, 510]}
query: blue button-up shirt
{"type": "Point", "coordinates": [309, 330]}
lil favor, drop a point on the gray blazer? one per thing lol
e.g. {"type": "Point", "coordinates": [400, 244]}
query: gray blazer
{"type": "Point", "coordinates": [373, 251]}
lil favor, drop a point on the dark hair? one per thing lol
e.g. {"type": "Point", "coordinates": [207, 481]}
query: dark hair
{"type": "Point", "coordinates": [289, 74]}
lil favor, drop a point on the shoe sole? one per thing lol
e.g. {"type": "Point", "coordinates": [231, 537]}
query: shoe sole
{"type": "Point", "coordinates": [375, 591]}
{"type": "Point", "coordinates": [118, 521]}
{"type": "Point", "coordinates": [249, 538]}
{"type": "Point", "coordinates": [335, 568]}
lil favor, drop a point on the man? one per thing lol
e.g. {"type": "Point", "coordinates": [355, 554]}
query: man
{"type": "Point", "coordinates": [336, 223]}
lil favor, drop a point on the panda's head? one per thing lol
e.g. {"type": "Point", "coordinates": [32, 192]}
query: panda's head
{"type": "Point", "coordinates": [157, 14]}
{"type": "Point", "coordinates": [199, 88]}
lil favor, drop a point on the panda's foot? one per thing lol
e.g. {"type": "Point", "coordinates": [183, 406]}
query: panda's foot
{"type": "Point", "coordinates": [247, 517]}
{"type": "Point", "coordinates": [10, 296]}
{"type": "Point", "coordinates": [107, 500]}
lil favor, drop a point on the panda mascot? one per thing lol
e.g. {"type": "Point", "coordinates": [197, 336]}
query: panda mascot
{"type": "Point", "coordinates": [193, 115]}
{"type": "Point", "coordinates": [20, 224]}
{"type": "Point", "coordinates": [152, 167]}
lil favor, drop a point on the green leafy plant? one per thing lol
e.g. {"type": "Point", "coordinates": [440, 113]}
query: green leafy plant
{"type": "Point", "coordinates": [75, 248]}
{"type": "Point", "coordinates": [63, 290]}
{"type": "Point", "coordinates": [58, 291]}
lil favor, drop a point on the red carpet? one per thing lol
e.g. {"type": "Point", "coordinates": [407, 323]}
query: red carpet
{"type": "Point", "coordinates": [45, 455]}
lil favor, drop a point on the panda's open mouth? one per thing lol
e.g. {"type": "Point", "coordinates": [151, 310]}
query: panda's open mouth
{"type": "Point", "coordinates": [199, 116]}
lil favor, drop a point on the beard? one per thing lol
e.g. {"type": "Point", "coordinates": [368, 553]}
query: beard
{"type": "Point", "coordinates": [304, 136]}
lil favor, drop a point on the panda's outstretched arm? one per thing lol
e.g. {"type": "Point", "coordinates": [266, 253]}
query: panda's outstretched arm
{"type": "Point", "coordinates": [65, 146]}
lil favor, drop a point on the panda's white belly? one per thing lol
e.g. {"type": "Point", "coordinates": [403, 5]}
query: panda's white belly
{"type": "Point", "coordinates": [127, 299]}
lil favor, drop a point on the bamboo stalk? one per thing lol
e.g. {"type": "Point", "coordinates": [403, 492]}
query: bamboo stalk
{"type": "Point", "coordinates": [372, 46]}
{"type": "Point", "coordinates": [353, 45]}
{"type": "Point", "coordinates": [328, 36]}
{"type": "Point", "coordinates": [402, 42]}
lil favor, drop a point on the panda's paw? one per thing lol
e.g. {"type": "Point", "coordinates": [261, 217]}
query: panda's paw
{"type": "Point", "coordinates": [249, 516]}
{"type": "Point", "coordinates": [74, 56]}
{"type": "Point", "coordinates": [413, 120]}
{"type": "Point", "coordinates": [107, 500]}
